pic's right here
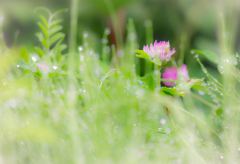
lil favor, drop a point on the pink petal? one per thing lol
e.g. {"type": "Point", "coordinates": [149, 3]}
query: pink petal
{"type": "Point", "coordinates": [171, 74]}
{"type": "Point", "coordinates": [184, 71]}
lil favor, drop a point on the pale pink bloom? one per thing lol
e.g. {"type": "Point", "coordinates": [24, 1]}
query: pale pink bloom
{"type": "Point", "coordinates": [140, 153]}
{"type": "Point", "coordinates": [161, 50]}
{"type": "Point", "coordinates": [175, 74]}
{"type": "Point", "coordinates": [43, 67]}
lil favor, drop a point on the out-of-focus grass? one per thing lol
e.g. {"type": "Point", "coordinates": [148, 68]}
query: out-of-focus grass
{"type": "Point", "coordinates": [93, 107]}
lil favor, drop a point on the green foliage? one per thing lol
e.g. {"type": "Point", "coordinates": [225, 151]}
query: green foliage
{"type": "Point", "coordinates": [211, 56]}
{"type": "Point", "coordinates": [171, 91]}
{"type": "Point", "coordinates": [144, 55]}
{"type": "Point", "coordinates": [105, 112]}
{"type": "Point", "coordinates": [50, 36]}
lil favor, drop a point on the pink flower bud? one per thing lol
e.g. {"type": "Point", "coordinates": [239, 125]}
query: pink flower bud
{"type": "Point", "coordinates": [175, 74]}
{"type": "Point", "coordinates": [43, 67]}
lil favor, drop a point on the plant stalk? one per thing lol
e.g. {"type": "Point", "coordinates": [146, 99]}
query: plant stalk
{"type": "Point", "coordinates": [157, 73]}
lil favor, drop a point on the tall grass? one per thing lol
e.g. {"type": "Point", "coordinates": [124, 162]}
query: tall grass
{"type": "Point", "coordinates": [86, 107]}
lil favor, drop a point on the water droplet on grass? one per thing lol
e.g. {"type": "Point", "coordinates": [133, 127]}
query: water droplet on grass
{"type": "Point", "coordinates": [201, 92]}
{"type": "Point", "coordinates": [104, 41]}
{"type": "Point", "coordinates": [81, 58]}
{"type": "Point", "coordinates": [85, 35]}
{"type": "Point", "coordinates": [147, 23]}
{"type": "Point", "coordinates": [80, 48]}
{"type": "Point", "coordinates": [34, 58]}
{"type": "Point", "coordinates": [140, 92]}
{"type": "Point", "coordinates": [163, 121]}
{"type": "Point", "coordinates": [106, 49]}
{"type": "Point", "coordinates": [107, 31]}
{"type": "Point", "coordinates": [4, 82]}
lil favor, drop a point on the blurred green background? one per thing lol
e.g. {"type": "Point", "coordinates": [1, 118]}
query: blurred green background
{"type": "Point", "coordinates": [197, 19]}
{"type": "Point", "coordinates": [192, 22]}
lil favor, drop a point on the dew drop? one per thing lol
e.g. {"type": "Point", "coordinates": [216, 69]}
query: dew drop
{"type": "Point", "coordinates": [156, 72]}
{"type": "Point", "coordinates": [140, 92]}
{"type": "Point", "coordinates": [106, 49]}
{"type": "Point", "coordinates": [163, 121]}
{"type": "Point", "coordinates": [201, 92]}
{"type": "Point", "coordinates": [80, 48]}
{"type": "Point", "coordinates": [81, 58]}
{"type": "Point", "coordinates": [104, 41]}
{"type": "Point", "coordinates": [85, 35]}
{"type": "Point", "coordinates": [34, 58]}
{"type": "Point", "coordinates": [147, 23]}
{"type": "Point", "coordinates": [107, 31]}
{"type": "Point", "coordinates": [4, 82]}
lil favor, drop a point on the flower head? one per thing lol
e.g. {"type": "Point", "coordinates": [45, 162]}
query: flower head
{"type": "Point", "coordinates": [175, 74]}
{"type": "Point", "coordinates": [161, 50]}
{"type": "Point", "coordinates": [43, 67]}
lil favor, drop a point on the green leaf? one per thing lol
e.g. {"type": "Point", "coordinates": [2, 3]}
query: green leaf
{"type": "Point", "coordinates": [140, 56]}
{"type": "Point", "coordinates": [211, 56]}
{"type": "Point", "coordinates": [59, 11]}
{"type": "Point", "coordinates": [54, 23]}
{"type": "Point", "coordinates": [24, 54]}
{"type": "Point", "coordinates": [23, 64]}
{"type": "Point", "coordinates": [219, 112]}
{"type": "Point", "coordinates": [58, 48]}
{"type": "Point", "coordinates": [55, 29]}
{"type": "Point", "coordinates": [143, 54]}
{"type": "Point", "coordinates": [149, 80]}
{"type": "Point", "coordinates": [38, 72]}
{"type": "Point", "coordinates": [42, 40]}
{"type": "Point", "coordinates": [62, 47]}
{"type": "Point", "coordinates": [40, 51]}
{"type": "Point", "coordinates": [171, 91]}
{"type": "Point", "coordinates": [157, 61]}
{"type": "Point", "coordinates": [188, 84]}
{"type": "Point", "coordinates": [44, 21]}
{"type": "Point", "coordinates": [56, 37]}
{"type": "Point", "coordinates": [44, 30]}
